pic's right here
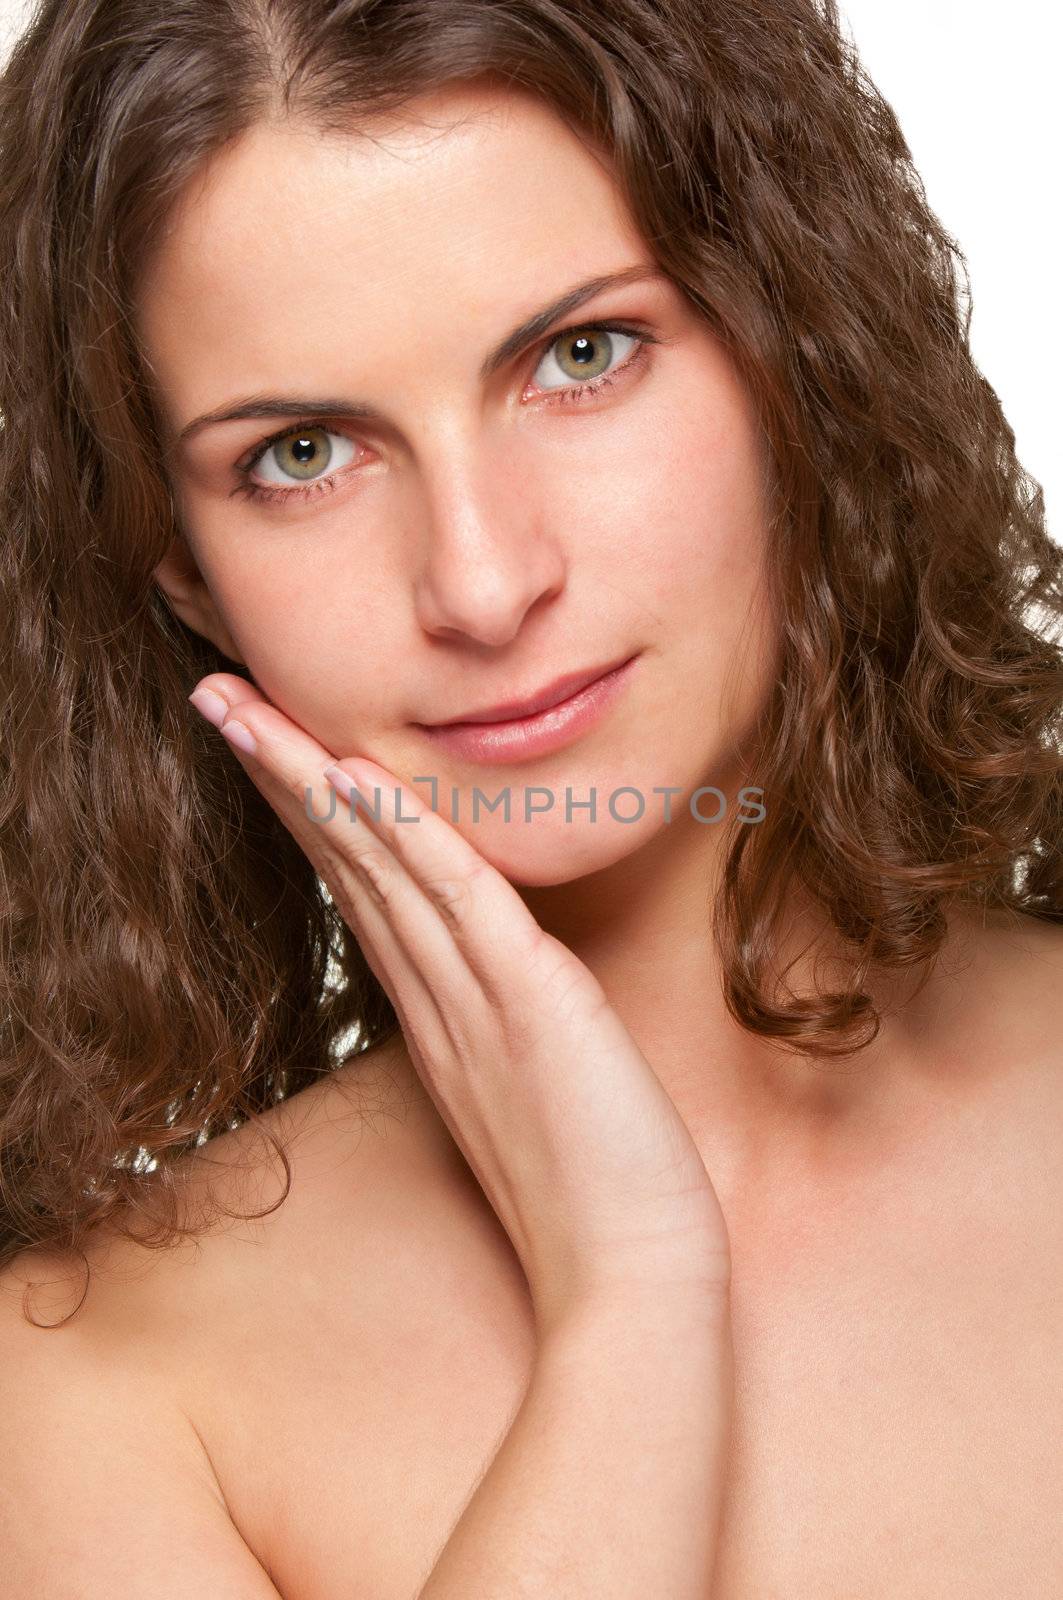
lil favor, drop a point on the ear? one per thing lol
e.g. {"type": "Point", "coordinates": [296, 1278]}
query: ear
{"type": "Point", "coordinates": [189, 598]}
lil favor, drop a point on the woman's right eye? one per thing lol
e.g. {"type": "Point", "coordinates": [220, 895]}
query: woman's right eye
{"type": "Point", "coordinates": [299, 456]}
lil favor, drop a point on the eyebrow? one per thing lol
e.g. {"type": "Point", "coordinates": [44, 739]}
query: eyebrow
{"type": "Point", "coordinates": [534, 327]}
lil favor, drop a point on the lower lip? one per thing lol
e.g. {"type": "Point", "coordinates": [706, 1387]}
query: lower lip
{"type": "Point", "coordinates": [537, 735]}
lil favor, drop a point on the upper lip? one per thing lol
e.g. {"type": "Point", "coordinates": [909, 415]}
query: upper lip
{"type": "Point", "coordinates": [552, 695]}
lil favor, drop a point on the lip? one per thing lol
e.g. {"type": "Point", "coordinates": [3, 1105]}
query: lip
{"type": "Point", "coordinates": [554, 693]}
{"type": "Point", "coordinates": [555, 724]}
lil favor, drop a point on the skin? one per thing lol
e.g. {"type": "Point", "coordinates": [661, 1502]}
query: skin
{"type": "Point", "coordinates": [483, 539]}
{"type": "Point", "coordinates": [895, 1222]}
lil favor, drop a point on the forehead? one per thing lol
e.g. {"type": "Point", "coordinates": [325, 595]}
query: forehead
{"type": "Point", "coordinates": [473, 205]}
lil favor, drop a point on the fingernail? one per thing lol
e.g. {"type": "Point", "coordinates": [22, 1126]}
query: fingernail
{"type": "Point", "coordinates": [210, 705]}
{"type": "Point", "coordinates": [240, 736]}
{"type": "Point", "coordinates": [340, 781]}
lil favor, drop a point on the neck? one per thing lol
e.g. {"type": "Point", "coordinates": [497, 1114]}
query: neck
{"type": "Point", "coordinates": [643, 926]}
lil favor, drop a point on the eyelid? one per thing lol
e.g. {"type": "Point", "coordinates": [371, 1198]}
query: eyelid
{"type": "Point", "coordinates": [251, 457]}
{"type": "Point", "coordinates": [633, 327]}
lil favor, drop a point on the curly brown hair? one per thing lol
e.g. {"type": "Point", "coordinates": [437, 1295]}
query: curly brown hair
{"type": "Point", "coordinates": [171, 963]}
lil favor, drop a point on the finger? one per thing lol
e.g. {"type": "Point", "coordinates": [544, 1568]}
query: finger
{"type": "Point", "coordinates": [220, 697]}
{"type": "Point", "coordinates": [426, 974]}
{"type": "Point", "coordinates": [523, 973]}
{"type": "Point", "coordinates": [443, 863]}
{"type": "Point", "coordinates": [217, 697]}
{"type": "Point", "coordinates": [485, 915]}
{"type": "Point", "coordinates": [224, 700]}
{"type": "Point", "coordinates": [485, 920]}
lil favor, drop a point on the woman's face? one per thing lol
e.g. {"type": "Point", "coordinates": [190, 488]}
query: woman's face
{"type": "Point", "coordinates": [431, 534]}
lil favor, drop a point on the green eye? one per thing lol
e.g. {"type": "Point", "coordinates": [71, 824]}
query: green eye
{"type": "Point", "coordinates": [583, 355]}
{"type": "Point", "coordinates": [304, 454]}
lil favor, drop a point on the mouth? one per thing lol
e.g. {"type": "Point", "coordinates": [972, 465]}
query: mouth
{"type": "Point", "coordinates": [565, 709]}
{"type": "Point", "coordinates": [554, 694]}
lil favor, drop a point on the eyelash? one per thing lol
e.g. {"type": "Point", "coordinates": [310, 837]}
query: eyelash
{"type": "Point", "coordinates": [570, 394]}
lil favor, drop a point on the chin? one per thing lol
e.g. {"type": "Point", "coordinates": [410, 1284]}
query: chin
{"type": "Point", "coordinates": [546, 851]}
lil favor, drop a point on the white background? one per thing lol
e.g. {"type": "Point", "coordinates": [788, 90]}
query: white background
{"type": "Point", "coordinates": [973, 83]}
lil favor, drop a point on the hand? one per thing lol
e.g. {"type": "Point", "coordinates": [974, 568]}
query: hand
{"type": "Point", "coordinates": [562, 1120]}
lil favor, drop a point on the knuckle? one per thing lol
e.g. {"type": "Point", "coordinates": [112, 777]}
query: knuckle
{"type": "Point", "coordinates": [566, 985]}
{"type": "Point", "coordinates": [452, 897]}
{"type": "Point", "coordinates": [377, 875]}
{"type": "Point", "coordinates": [551, 959]}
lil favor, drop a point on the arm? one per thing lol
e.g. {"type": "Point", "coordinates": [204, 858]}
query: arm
{"type": "Point", "coordinates": [105, 1489]}
{"type": "Point", "coordinates": [610, 1477]}
{"type": "Point", "coordinates": [609, 1482]}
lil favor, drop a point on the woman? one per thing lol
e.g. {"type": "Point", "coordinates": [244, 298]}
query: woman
{"type": "Point", "coordinates": [644, 1179]}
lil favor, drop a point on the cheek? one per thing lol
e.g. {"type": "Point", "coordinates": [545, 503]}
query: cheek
{"type": "Point", "coordinates": [685, 517]}
{"type": "Point", "coordinates": [321, 662]}
{"type": "Point", "coordinates": [697, 514]}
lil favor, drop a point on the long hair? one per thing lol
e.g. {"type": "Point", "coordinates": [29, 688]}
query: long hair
{"type": "Point", "coordinates": [170, 963]}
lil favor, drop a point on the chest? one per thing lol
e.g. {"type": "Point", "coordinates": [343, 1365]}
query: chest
{"type": "Point", "coordinates": [897, 1427]}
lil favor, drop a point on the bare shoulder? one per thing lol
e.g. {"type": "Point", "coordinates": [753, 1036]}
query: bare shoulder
{"type": "Point", "coordinates": [1035, 949]}
{"type": "Point", "coordinates": [133, 1382]}
{"type": "Point", "coordinates": [312, 1211]}
{"type": "Point", "coordinates": [1005, 971]}
{"type": "Point", "coordinates": [1003, 1022]}
{"type": "Point", "coordinates": [282, 1186]}
{"type": "Point", "coordinates": [345, 1212]}
{"type": "Point", "coordinates": [1034, 944]}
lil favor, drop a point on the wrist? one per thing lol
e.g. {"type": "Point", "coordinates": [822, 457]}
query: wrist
{"type": "Point", "coordinates": [635, 1315]}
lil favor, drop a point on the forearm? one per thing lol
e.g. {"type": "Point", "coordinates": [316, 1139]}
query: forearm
{"type": "Point", "coordinates": [610, 1480]}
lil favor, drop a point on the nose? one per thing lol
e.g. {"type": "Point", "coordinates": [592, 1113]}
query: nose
{"type": "Point", "coordinates": [488, 558]}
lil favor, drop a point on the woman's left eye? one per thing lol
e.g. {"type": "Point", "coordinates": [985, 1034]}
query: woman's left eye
{"type": "Point", "coordinates": [585, 358]}
{"type": "Point", "coordinates": [306, 460]}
